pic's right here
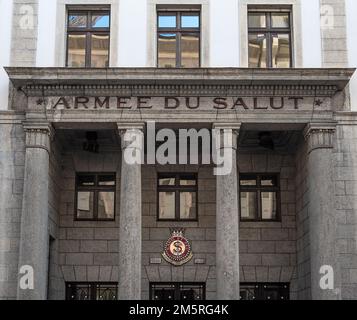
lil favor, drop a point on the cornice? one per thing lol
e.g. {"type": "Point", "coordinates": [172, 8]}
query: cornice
{"type": "Point", "coordinates": [179, 82]}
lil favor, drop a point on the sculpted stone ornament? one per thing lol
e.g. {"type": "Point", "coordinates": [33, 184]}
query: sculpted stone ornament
{"type": "Point", "coordinates": [177, 250]}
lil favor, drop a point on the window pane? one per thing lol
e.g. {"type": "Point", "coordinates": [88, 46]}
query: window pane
{"type": "Point", "coordinates": [167, 50]}
{"type": "Point", "coordinates": [257, 20]}
{"type": "Point", "coordinates": [248, 202]}
{"type": "Point", "coordinates": [280, 20]}
{"type": "Point", "coordinates": [281, 51]}
{"type": "Point", "coordinates": [257, 51]}
{"type": "Point", "coordinates": [188, 205]}
{"type": "Point", "coordinates": [167, 205]}
{"type": "Point", "coordinates": [79, 292]}
{"type": "Point", "coordinates": [100, 21]}
{"type": "Point", "coordinates": [269, 205]}
{"type": "Point", "coordinates": [106, 205]}
{"type": "Point", "coordinates": [167, 181]}
{"type": "Point", "coordinates": [188, 182]}
{"type": "Point", "coordinates": [268, 182]}
{"type": "Point", "coordinates": [76, 50]}
{"type": "Point", "coordinates": [106, 180]}
{"type": "Point", "coordinates": [85, 181]}
{"type": "Point", "coordinates": [100, 51]}
{"type": "Point", "coordinates": [190, 50]}
{"type": "Point", "coordinates": [85, 205]}
{"type": "Point", "coordinates": [248, 182]}
{"type": "Point", "coordinates": [167, 21]}
{"type": "Point", "coordinates": [190, 21]}
{"type": "Point", "coordinates": [77, 20]}
{"type": "Point", "coordinates": [106, 292]}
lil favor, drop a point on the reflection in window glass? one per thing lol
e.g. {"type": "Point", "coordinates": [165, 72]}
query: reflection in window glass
{"type": "Point", "coordinates": [281, 50]}
{"type": "Point", "coordinates": [190, 21]}
{"type": "Point", "coordinates": [257, 20]}
{"type": "Point", "coordinates": [167, 21]}
{"type": "Point", "coordinates": [167, 50]}
{"type": "Point", "coordinates": [100, 51]}
{"type": "Point", "coordinates": [190, 47]}
{"type": "Point", "coordinates": [85, 205]}
{"type": "Point", "coordinates": [106, 205]}
{"type": "Point", "coordinates": [77, 20]}
{"type": "Point", "coordinates": [76, 50]}
{"type": "Point", "coordinates": [268, 182]}
{"type": "Point", "coordinates": [248, 182]}
{"type": "Point", "coordinates": [167, 182]}
{"type": "Point", "coordinates": [106, 180]}
{"type": "Point", "coordinates": [187, 205]}
{"type": "Point", "coordinates": [280, 20]}
{"type": "Point", "coordinates": [167, 205]}
{"type": "Point", "coordinates": [100, 21]}
{"type": "Point", "coordinates": [257, 51]}
{"type": "Point", "coordinates": [248, 205]}
{"type": "Point", "coordinates": [85, 180]}
{"type": "Point", "coordinates": [268, 205]}
{"type": "Point", "coordinates": [188, 182]}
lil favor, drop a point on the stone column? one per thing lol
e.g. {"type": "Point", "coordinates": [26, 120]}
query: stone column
{"type": "Point", "coordinates": [130, 240]}
{"type": "Point", "coordinates": [321, 208]}
{"type": "Point", "coordinates": [34, 218]}
{"type": "Point", "coordinates": [227, 218]}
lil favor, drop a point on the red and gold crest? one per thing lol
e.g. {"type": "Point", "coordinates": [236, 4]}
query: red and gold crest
{"type": "Point", "coordinates": [177, 249]}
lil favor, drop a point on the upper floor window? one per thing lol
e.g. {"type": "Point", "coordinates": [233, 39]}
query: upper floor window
{"type": "Point", "coordinates": [95, 196]}
{"type": "Point", "coordinates": [177, 197]}
{"type": "Point", "coordinates": [178, 39]}
{"type": "Point", "coordinates": [259, 197]}
{"type": "Point", "coordinates": [88, 37]}
{"type": "Point", "coordinates": [269, 36]}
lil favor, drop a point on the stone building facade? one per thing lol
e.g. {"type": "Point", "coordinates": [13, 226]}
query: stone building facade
{"type": "Point", "coordinates": [304, 113]}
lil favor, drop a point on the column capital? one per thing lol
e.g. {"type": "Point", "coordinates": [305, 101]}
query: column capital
{"type": "Point", "coordinates": [38, 135]}
{"type": "Point", "coordinates": [123, 127]}
{"type": "Point", "coordinates": [131, 134]}
{"type": "Point", "coordinates": [320, 135]}
{"type": "Point", "coordinates": [226, 142]}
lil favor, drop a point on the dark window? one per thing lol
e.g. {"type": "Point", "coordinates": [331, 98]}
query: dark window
{"type": "Point", "coordinates": [259, 197]}
{"type": "Point", "coordinates": [269, 39]}
{"type": "Point", "coordinates": [95, 196]}
{"type": "Point", "coordinates": [264, 291]}
{"type": "Point", "coordinates": [178, 39]}
{"type": "Point", "coordinates": [91, 291]}
{"type": "Point", "coordinates": [177, 291]}
{"type": "Point", "coordinates": [177, 197]}
{"type": "Point", "coordinates": [88, 37]}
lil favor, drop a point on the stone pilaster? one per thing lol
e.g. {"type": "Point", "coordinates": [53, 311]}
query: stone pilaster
{"type": "Point", "coordinates": [130, 239]}
{"type": "Point", "coordinates": [34, 218]}
{"type": "Point", "coordinates": [227, 217]}
{"type": "Point", "coordinates": [322, 217]}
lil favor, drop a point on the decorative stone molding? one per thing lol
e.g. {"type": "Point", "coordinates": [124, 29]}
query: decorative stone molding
{"type": "Point", "coordinates": [181, 90]}
{"type": "Point", "coordinates": [38, 135]}
{"type": "Point", "coordinates": [319, 136]}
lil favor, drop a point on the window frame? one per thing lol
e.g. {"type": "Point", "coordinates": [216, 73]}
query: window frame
{"type": "Point", "coordinates": [95, 189]}
{"type": "Point", "coordinates": [93, 287]}
{"type": "Point", "coordinates": [176, 288]}
{"type": "Point", "coordinates": [178, 30]}
{"type": "Point", "coordinates": [282, 288]}
{"type": "Point", "coordinates": [258, 188]}
{"type": "Point", "coordinates": [88, 31]}
{"type": "Point", "coordinates": [269, 30]}
{"type": "Point", "coordinates": [177, 189]}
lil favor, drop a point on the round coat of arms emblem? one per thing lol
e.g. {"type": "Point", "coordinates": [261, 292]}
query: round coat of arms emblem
{"type": "Point", "coordinates": [177, 249]}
